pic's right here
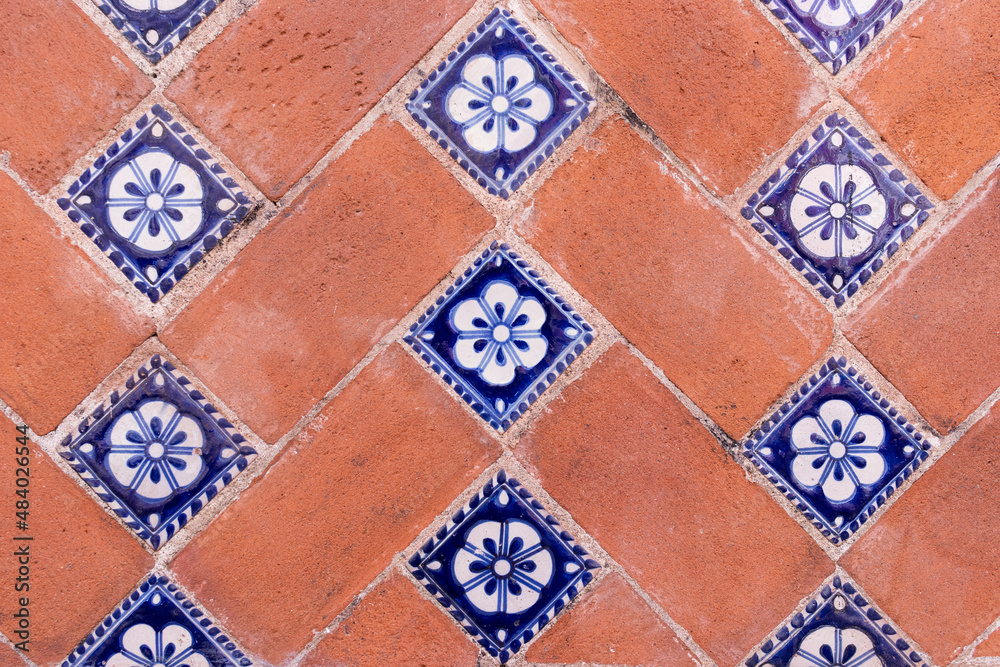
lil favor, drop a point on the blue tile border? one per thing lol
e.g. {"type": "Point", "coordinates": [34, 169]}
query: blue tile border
{"type": "Point", "coordinates": [158, 600]}
{"type": "Point", "coordinates": [443, 585]}
{"type": "Point", "coordinates": [175, 25]}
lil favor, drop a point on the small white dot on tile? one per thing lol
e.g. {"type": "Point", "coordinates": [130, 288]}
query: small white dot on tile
{"type": "Point", "coordinates": [766, 211]}
{"type": "Point", "coordinates": [157, 130]}
{"type": "Point", "coordinates": [152, 36]}
{"type": "Point", "coordinates": [908, 209]}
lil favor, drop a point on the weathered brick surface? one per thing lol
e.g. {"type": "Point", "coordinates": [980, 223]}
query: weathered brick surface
{"type": "Point", "coordinates": [724, 321]}
{"type": "Point", "coordinates": [714, 80]}
{"type": "Point", "coordinates": [63, 325]}
{"type": "Point", "coordinates": [9, 657]}
{"type": "Point", "coordinates": [990, 647]}
{"type": "Point", "coordinates": [933, 329]}
{"type": "Point", "coordinates": [64, 86]}
{"type": "Point", "coordinates": [930, 561]}
{"type": "Point", "coordinates": [354, 488]}
{"type": "Point", "coordinates": [394, 625]}
{"type": "Point", "coordinates": [932, 91]}
{"type": "Point", "coordinates": [307, 299]}
{"type": "Point", "coordinates": [278, 88]}
{"type": "Point", "coordinates": [83, 562]}
{"type": "Point", "coordinates": [612, 626]}
{"type": "Point", "coordinates": [644, 478]}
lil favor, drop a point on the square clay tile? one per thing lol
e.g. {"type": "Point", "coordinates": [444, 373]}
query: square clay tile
{"type": "Point", "coordinates": [838, 627]}
{"type": "Point", "coordinates": [155, 27]}
{"type": "Point", "coordinates": [836, 209]}
{"type": "Point", "coordinates": [157, 625]}
{"type": "Point", "coordinates": [503, 567]}
{"type": "Point", "coordinates": [500, 335]}
{"type": "Point", "coordinates": [157, 452]}
{"type": "Point", "coordinates": [835, 30]}
{"type": "Point", "coordinates": [838, 450]}
{"type": "Point", "coordinates": [155, 202]}
{"type": "Point", "coordinates": [500, 104]}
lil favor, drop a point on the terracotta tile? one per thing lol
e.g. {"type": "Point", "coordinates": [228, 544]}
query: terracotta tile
{"type": "Point", "coordinates": [355, 487]}
{"type": "Point", "coordinates": [65, 325]}
{"type": "Point", "coordinates": [10, 658]}
{"type": "Point", "coordinates": [930, 561]}
{"type": "Point", "coordinates": [395, 625]}
{"type": "Point", "coordinates": [354, 253]}
{"type": "Point", "coordinates": [714, 80]}
{"type": "Point", "coordinates": [612, 626]}
{"type": "Point", "coordinates": [932, 89]}
{"type": "Point", "coordinates": [724, 321]}
{"type": "Point", "coordinates": [645, 479]}
{"type": "Point", "coordinates": [281, 85]}
{"type": "Point", "coordinates": [933, 328]}
{"type": "Point", "coordinates": [64, 84]}
{"type": "Point", "coordinates": [82, 562]}
{"type": "Point", "coordinates": [990, 647]}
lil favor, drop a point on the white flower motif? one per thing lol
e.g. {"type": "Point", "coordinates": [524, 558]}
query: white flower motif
{"type": "Point", "coordinates": [142, 646]}
{"type": "Point", "coordinates": [838, 451]}
{"type": "Point", "coordinates": [828, 646]}
{"type": "Point", "coordinates": [154, 201]}
{"type": "Point", "coordinates": [498, 331]}
{"type": "Point", "coordinates": [837, 210]}
{"type": "Point", "coordinates": [498, 103]}
{"type": "Point", "coordinates": [503, 567]}
{"type": "Point", "coordinates": [834, 13]}
{"type": "Point", "coordinates": [155, 450]}
{"type": "Point", "coordinates": [154, 5]}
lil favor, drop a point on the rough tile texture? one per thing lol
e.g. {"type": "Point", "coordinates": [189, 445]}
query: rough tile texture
{"type": "Point", "coordinates": [933, 329]}
{"type": "Point", "coordinates": [278, 88]}
{"type": "Point", "coordinates": [990, 646]}
{"type": "Point", "coordinates": [714, 80]}
{"type": "Point", "coordinates": [353, 254]}
{"type": "Point", "coordinates": [930, 561]}
{"type": "Point", "coordinates": [611, 626]}
{"type": "Point", "coordinates": [65, 326]}
{"type": "Point", "coordinates": [354, 488]}
{"type": "Point", "coordinates": [57, 105]}
{"type": "Point", "coordinates": [724, 321]}
{"type": "Point", "coordinates": [395, 625]}
{"type": "Point", "coordinates": [621, 454]}
{"type": "Point", "coordinates": [83, 562]}
{"type": "Point", "coordinates": [932, 91]}
{"type": "Point", "coordinates": [9, 657]}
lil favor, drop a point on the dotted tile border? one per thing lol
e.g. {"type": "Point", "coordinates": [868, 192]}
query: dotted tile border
{"type": "Point", "coordinates": [168, 43]}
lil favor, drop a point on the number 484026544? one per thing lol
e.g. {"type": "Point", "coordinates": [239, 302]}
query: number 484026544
{"type": "Point", "coordinates": [22, 475]}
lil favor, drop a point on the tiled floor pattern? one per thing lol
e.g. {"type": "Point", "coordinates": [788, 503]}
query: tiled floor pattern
{"type": "Point", "coordinates": [454, 333]}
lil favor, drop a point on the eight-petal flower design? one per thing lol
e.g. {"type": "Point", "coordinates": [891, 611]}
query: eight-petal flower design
{"type": "Point", "coordinates": [835, 13]}
{"type": "Point", "coordinates": [142, 646]}
{"type": "Point", "coordinates": [498, 103]}
{"type": "Point", "coordinates": [498, 331]}
{"type": "Point", "coordinates": [829, 646]}
{"type": "Point", "coordinates": [837, 210]}
{"type": "Point", "coordinates": [503, 567]}
{"type": "Point", "coordinates": [838, 450]}
{"type": "Point", "coordinates": [155, 450]}
{"type": "Point", "coordinates": [155, 201]}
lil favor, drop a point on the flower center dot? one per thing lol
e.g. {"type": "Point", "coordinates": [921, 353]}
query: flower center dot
{"type": "Point", "coordinates": [501, 333]}
{"type": "Point", "coordinates": [502, 567]}
{"type": "Point", "coordinates": [154, 202]}
{"type": "Point", "coordinates": [156, 450]}
{"type": "Point", "coordinates": [838, 210]}
{"type": "Point", "coordinates": [838, 450]}
{"type": "Point", "coordinates": [500, 104]}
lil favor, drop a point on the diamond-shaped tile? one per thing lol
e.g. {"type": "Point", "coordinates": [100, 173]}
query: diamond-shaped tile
{"type": "Point", "coordinates": [500, 104]}
{"type": "Point", "coordinates": [157, 452]}
{"type": "Point", "coordinates": [835, 30]}
{"type": "Point", "coordinates": [838, 450]}
{"type": "Point", "coordinates": [155, 203]}
{"type": "Point", "coordinates": [157, 625]}
{"type": "Point", "coordinates": [839, 628]}
{"type": "Point", "coordinates": [156, 26]}
{"type": "Point", "coordinates": [836, 209]}
{"type": "Point", "coordinates": [500, 335]}
{"type": "Point", "coordinates": [503, 567]}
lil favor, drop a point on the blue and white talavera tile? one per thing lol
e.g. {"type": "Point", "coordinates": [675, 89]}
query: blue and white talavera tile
{"type": "Point", "coordinates": [500, 335]}
{"type": "Point", "coordinates": [155, 202]}
{"type": "Point", "coordinates": [500, 104]}
{"type": "Point", "coordinates": [835, 31]}
{"type": "Point", "coordinates": [156, 27]}
{"type": "Point", "coordinates": [838, 628]}
{"type": "Point", "coordinates": [503, 567]}
{"type": "Point", "coordinates": [838, 450]}
{"type": "Point", "coordinates": [157, 626]}
{"type": "Point", "coordinates": [836, 209]}
{"type": "Point", "coordinates": [157, 452]}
